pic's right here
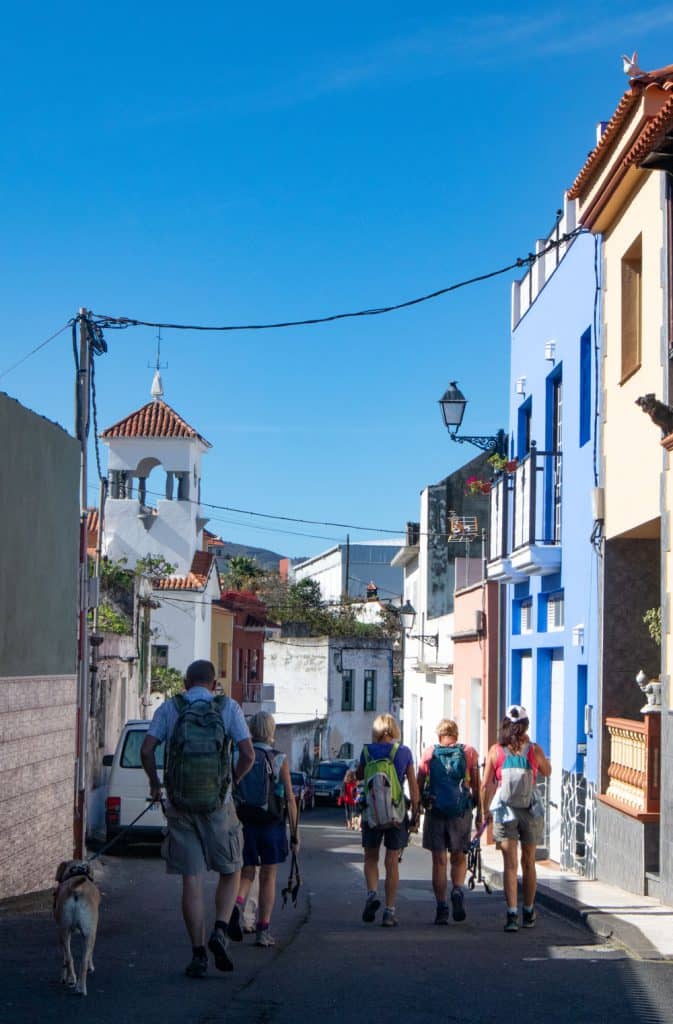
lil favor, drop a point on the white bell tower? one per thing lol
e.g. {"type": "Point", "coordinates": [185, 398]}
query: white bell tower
{"type": "Point", "coordinates": [154, 485]}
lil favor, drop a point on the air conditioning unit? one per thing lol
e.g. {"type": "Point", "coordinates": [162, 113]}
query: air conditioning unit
{"type": "Point", "coordinates": [479, 621]}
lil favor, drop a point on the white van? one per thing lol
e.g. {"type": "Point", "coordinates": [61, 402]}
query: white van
{"type": "Point", "coordinates": [128, 789]}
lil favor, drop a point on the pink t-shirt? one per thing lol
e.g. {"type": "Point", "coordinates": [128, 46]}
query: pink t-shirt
{"type": "Point", "coordinates": [471, 758]}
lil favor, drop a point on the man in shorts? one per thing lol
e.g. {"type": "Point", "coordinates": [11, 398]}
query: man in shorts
{"type": "Point", "coordinates": [385, 733]}
{"type": "Point", "coordinates": [198, 842]}
{"type": "Point", "coordinates": [452, 835]}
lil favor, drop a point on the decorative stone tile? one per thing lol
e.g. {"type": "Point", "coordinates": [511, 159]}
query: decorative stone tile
{"type": "Point", "coordinates": [578, 817]}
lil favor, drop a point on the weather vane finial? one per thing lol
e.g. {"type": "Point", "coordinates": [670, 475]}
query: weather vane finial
{"type": "Point", "coordinates": [157, 389]}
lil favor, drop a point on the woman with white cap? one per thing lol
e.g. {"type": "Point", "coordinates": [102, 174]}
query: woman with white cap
{"type": "Point", "coordinates": [508, 798]}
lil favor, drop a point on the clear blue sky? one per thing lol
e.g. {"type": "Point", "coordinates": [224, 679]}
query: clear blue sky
{"type": "Point", "coordinates": [219, 164]}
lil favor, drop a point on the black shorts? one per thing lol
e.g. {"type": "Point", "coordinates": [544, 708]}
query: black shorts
{"type": "Point", "coordinates": [393, 838]}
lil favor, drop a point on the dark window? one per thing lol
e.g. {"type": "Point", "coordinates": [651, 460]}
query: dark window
{"type": "Point", "coordinates": [130, 755]}
{"type": "Point", "coordinates": [159, 656]}
{"type": "Point", "coordinates": [585, 387]}
{"type": "Point", "coordinates": [370, 690]}
{"type": "Point", "coordinates": [347, 701]}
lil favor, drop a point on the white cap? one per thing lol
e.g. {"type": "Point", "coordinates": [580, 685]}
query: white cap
{"type": "Point", "coordinates": [515, 712]}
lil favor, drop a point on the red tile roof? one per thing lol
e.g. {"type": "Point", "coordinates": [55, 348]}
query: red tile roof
{"type": "Point", "coordinates": [605, 143]}
{"type": "Point", "coordinates": [654, 130]}
{"type": "Point", "coordinates": [653, 134]}
{"type": "Point", "coordinates": [156, 419]}
{"type": "Point", "coordinates": [196, 578]}
{"type": "Point", "coordinates": [92, 520]}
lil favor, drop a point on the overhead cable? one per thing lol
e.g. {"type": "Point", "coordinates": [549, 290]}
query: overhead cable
{"type": "Point", "coordinates": [105, 320]}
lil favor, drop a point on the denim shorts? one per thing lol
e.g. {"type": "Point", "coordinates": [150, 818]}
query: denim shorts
{"type": "Point", "coordinates": [264, 844]}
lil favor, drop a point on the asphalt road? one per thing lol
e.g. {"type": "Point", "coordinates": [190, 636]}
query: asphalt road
{"type": "Point", "coordinates": [328, 965]}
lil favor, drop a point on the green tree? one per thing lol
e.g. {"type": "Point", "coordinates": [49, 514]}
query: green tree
{"type": "Point", "coordinates": [168, 681]}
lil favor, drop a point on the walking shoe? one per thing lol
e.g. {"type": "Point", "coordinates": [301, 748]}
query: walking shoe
{"type": "Point", "coordinates": [529, 918]}
{"type": "Point", "coordinates": [512, 922]}
{"type": "Point", "coordinates": [218, 944]}
{"type": "Point", "coordinates": [198, 967]}
{"type": "Point", "coordinates": [442, 915]}
{"type": "Point", "coordinates": [264, 938]}
{"type": "Point", "coordinates": [371, 906]}
{"type": "Point", "coordinates": [457, 907]}
{"type": "Point", "coordinates": [389, 920]}
{"type": "Point", "coordinates": [234, 927]}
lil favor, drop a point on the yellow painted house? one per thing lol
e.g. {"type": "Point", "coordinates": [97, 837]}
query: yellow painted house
{"type": "Point", "coordinates": [624, 197]}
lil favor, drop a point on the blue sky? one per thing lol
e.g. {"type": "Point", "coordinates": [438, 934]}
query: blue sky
{"type": "Point", "coordinates": [212, 165]}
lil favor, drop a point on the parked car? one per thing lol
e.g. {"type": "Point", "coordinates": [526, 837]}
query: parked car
{"type": "Point", "coordinates": [327, 779]}
{"type": "Point", "coordinates": [128, 789]}
{"type": "Point", "coordinates": [304, 793]}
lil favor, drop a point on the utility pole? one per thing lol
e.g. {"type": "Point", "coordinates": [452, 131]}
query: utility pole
{"type": "Point", "coordinates": [82, 431]}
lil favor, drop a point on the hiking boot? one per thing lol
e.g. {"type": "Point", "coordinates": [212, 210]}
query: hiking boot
{"type": "Point", "coordinates": [198, 967]}
{"type": "Point", "coordinates": [442, 915]}
{"type": "Point", "coordinates": [234, 927]}
{"type": "Point", "coordinates": [529, 918]}
{"type": "Point", "coordinates": [371, 906]}
{"type": "Point", "coordinates": [218, 944]}
{"type": "Point", "coordinates": [512, 922]}
{"type": "Point", "coordinates": [389, 920]}
{"type": "Point", "coordinates": [457, 907]}
{"type": "Point", "coordinates": [264, 938]}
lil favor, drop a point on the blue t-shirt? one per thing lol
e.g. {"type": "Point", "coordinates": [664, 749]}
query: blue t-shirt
{"type": "Point", "coordinates": [403, 757]}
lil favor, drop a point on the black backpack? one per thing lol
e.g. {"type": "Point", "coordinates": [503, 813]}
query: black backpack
{"type": "Point", "coordinates": [257, 796]}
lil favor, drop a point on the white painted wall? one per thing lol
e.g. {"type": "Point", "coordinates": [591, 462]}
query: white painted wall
{"type": "Point", "coordinates": [184, 622]}
{"type": "Point", "coordinates": [308, 685]}
{"type": "Point", "coordinates": [367, 561]}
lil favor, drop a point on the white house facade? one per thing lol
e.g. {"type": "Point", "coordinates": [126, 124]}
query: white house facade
{"type": "Point", "coordinates": [339, 684]}
{"type": "Point", "coordinates": [348, 569]}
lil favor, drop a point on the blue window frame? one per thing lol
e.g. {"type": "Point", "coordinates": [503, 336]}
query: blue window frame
{"type": "Point", "coordinates": [585, 387]}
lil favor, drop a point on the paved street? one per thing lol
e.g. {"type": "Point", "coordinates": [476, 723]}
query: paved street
{"type": "Point", "coordinates": [328, 965]}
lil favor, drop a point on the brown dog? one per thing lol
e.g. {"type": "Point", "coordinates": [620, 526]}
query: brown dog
{"type": "Point", "coordinates": [76, 903]}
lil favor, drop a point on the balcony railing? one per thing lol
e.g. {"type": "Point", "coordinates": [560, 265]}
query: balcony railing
{"type": "Point", "coordinates": [635, 766]}
{"type": "Point", "coordinates": [499, 545]}
{"type": "Point", "coordinates": [537, 499]}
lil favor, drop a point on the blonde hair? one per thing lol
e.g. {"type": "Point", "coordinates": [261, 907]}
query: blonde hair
{"type": "Point", "coordinates": [263, 727]}
{"type": "Point", "coordinates": [385, 725]}
{"type": "Point", "coordinates": [447, 727]}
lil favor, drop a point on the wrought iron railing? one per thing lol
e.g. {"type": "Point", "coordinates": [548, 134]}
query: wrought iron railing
{"type": "Point", "coordinates": [537, 499]}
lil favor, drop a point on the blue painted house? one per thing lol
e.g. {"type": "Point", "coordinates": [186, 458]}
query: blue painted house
{"type": "Point", "coordinates": [540, 544]}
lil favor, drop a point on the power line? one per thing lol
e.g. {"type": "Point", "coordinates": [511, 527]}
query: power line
{"type": "Point", "coordinates": [36, 349]}
{"type": "Point", "coordinates": [104, 320]}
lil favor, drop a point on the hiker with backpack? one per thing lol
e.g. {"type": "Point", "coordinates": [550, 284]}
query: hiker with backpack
{"type": "Point", "coordinates": [384, 765]}
{"type": "Point", "coordinates": [508, 796]}
{"type": "Point", "coordinates": [448, 780]}
{"type": "Point", "coordinates": [204, 833]}
{"type": "Point", "coordinates": [264, 800]}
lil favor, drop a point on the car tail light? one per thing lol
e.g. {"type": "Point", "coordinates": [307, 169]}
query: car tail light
{"type": "Point", "coordinates": [113, 810]}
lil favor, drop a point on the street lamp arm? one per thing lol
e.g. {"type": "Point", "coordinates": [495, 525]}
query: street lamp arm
{"type": "Point", "coordinates": [496, 443]}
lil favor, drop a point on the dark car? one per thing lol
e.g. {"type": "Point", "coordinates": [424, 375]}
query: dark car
{"type": "Point", "coordinates": [304, 793]}
{"type": "Point", "coordinates": [327, 779]}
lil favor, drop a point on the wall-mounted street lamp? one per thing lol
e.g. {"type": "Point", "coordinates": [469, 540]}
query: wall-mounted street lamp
{"type": "Point", "coordinates": [407, 616]}
{"type": "Point", "coordinates": [452, 403]}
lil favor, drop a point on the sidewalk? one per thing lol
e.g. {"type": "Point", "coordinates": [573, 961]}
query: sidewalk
{"type": "Point", "coordinates": [640, 923]}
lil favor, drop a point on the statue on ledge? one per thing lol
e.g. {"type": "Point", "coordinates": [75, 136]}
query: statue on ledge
{"type": "Point", "coordinates": [659, 413]}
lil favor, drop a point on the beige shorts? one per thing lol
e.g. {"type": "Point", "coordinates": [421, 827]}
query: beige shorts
{"type": "Point", "coordinates": [203, 842]}
{"type": "Point", "coordinates": [526, 828]}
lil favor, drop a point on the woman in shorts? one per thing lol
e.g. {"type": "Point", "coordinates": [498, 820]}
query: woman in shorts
{"type": "Point", "coordinates": [265, 845]}
{"type": "Point", "coordinates": [514, 825]}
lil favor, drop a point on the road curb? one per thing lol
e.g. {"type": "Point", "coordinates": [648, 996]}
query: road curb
{"type": "Point", "coordinates": [599, 922]}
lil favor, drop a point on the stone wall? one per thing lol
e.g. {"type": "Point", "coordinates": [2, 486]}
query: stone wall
{"type": "Point", "coordinates": [627, 850]}
{"type": "Point", "coordinates": [37, 755]}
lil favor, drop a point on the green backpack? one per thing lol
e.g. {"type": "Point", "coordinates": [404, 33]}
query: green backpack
{"type": "Point", "coordinates": [198, 769]}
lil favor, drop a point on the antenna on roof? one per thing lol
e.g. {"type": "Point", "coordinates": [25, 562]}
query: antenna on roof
{"type": "Point", "coordinates": [157, 389]}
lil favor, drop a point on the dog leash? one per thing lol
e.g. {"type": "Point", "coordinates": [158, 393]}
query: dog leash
{"type": "Point", "coordinates": [294, 879]}
{"type": "Point", "coordinates": [123, 832]}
